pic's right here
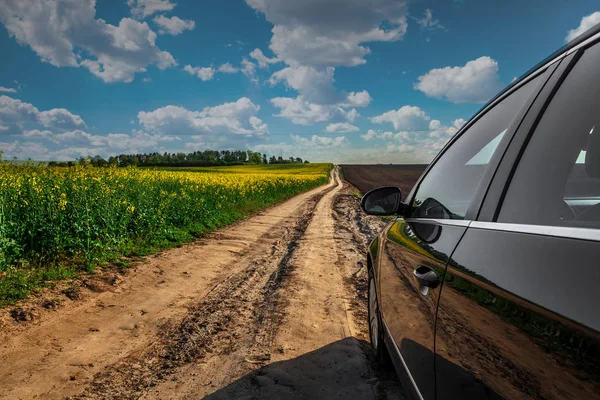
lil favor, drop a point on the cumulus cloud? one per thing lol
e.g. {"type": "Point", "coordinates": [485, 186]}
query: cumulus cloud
{"type": "Point", "coordinates": [428, 22]}
{"type": "Point", "coordinates": [145, 8]}
{"type": "Point", "coordinates": [67, 34]}
{"type": "Point", "coordinates": [303, 112]}
{"type": "Point", "coordinates": [174, 25]}
{"type": "Point", "coordinates": [37, 134]}
{"type": "Point", "coordinates": [16, 115]}
{"type": "Point", "coordinates": [82, 144]}
{"type": "Point", "coordinates": [586, 23]}
{"type": "Point", "coordinates": [314, 148]}
{"type": "Point", "coordinates": [227, 68]}
{"type": "Point", "coordinates": [315, 86]}
{"type": "Point", "coordinates": [7, 90]}
{"type": "Point", "coordinates": [341, 127]}
{"type": "Point", "coordinates": [322, 33]}
{"type": "Point", "coordinates": [319, 100]}
{"type": "Point", "coordinates": [418, 138]}
{"type": "Point", "coordinates": [24, 150]}
{"type": "Point", "coordinates": [373, 134]}
{"type": "Point", "coordinates": [475, 82]}
{"type": "Point", "coordinates": [237, 118]}
{"type": "Point", "coordinates": [313, 38]}
{"type": "Point", "coordinates": [208, 73]}
{"type": "Point", "coordinates": [204, 73]}
{"type": "Point", "coordinates": [263, 61]}
{"type": "Point", "coordinates": [405, 118]}
{"type": "Point", "coordinates": [358, 99]}
{"type": "Point", "coordinates": [249, 69]}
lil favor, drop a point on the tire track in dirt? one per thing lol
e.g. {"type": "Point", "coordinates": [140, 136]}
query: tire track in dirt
{"type": "Point", "coordinates": [318, 347]}
{"type": "Point", "coordinates": [232, 321]}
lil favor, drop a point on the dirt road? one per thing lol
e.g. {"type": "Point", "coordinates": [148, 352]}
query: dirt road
{"type": "Point", "coordinates": [271, 307]}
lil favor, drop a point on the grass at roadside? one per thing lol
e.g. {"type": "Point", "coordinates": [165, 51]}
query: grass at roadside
{"type": "Point", "coordinates": [55, 222]}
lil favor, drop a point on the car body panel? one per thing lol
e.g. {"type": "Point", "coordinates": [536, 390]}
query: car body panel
{"type": "Point", "coordinates": [409, 308]}
{"type": "Point", "coordinates": [502, 323]}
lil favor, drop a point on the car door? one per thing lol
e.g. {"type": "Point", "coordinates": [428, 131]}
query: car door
{"type": "Point", "coordinates": [518, 315]}
{"type": "Point", "coordinates": [416, 247]}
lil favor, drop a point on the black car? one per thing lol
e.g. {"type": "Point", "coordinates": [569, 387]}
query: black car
{"type": "Point", "coordinates": [487, 284]}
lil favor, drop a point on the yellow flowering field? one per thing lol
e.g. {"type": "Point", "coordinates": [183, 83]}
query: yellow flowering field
{"type": "Point", "coordinates": [54, 221]}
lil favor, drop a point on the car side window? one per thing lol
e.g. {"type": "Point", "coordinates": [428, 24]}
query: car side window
{"type": "Point", "coordinates": [557, 180]}
{"type": "Point", "coordinates": [449, 186]}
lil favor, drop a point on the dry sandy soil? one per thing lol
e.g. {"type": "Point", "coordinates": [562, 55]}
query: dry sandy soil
{"type": "Point", "coordinates": [271, 307]}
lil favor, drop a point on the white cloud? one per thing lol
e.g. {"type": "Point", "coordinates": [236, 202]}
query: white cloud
{"type": "Point", "coordinates": [263, 61]}
{"type": "Point", "coordinates": [413, 145]}
{"type": "Point", "coordinates": [373, 134]}
{"type": "Point", "coordinates": [24, 150]}
{"type": "Point", "coordinates": [458, 123]}
{"type": "Point", "coordinates": [406, 118]}
{"type": "Point", "coordinates": [475, 82]}
{"type": "Point", "coordinates": [428, 22]}
{"type": "Point", "coordinates": [315, 86]}
{"type": "Point", "coordinates": [303, 112]}
{"type": "Point", "coordinates": [204, 73]}
{"type": "Point", "coordinates": [237, 118]}
{"type": "Point", "coordinates": [37, 134]}
{"type": "Point", "coordinates": [16, 115]}
{"type": "Point", "coordinates": [586, 23]}
{"type": "Point", "coordinates": [341, 127]}
{"type": "Point", "coordinates": [208, 73]}
{"type": "Point", "coordinates": [83, 144]}
{"type": "Point", "coordinates": [249, 69]}
{"type": "Point", "coordinates": [174, 25]}
{"type": "Point", "coordinates": [322, 33]}
{"type": "Point", "coordinates": [67, 34]}
{"type": "Point", "coordinates": [227, 68]}
{"type": "Point", "coordinates": [7, 90]}
{"type": "Point", "coordinates": [358, 99]}
{"type": "Point", "coordinates": [144, 8]}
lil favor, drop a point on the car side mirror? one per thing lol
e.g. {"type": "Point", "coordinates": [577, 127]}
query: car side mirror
{"type": "Point", "coordinates": [382, 201]}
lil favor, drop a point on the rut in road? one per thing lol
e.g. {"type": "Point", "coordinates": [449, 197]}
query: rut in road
{"type": "Point", "coordinates": [235, 320]}
{"type": "Point", "coordinates": [317, 346]}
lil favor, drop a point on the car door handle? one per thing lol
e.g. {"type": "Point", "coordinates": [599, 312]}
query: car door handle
{"type": "Point", "coordinates": [426, 277]}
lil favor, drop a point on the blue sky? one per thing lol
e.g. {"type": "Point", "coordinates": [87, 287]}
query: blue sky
{"type": "Point", "coordinates": [348, 81]}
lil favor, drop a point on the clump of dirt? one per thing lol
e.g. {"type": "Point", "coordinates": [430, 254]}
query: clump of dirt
{"type": "Point", "coordinates": [22, 314]}
{"type": "Point", "coordinates": [72, 292]}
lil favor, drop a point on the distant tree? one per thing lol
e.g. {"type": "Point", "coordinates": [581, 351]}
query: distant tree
{"type": "Point", "coordinates": [306, 161]}
{"type": "Point", "coordinates": [264, 159]}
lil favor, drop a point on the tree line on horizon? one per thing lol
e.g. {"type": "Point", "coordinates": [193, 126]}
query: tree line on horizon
{"type": "Point", "coordinates": [195, 159]}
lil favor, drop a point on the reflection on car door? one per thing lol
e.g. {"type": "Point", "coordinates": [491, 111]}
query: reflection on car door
{"type": "Point", "coordinates": [417, 247]}
{"type": "Point", "coordinates": [407, 306]}
{"type": "Point", "coordinates": [500, 331]}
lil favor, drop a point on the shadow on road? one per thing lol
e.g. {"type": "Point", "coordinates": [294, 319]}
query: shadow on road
{"type": "Point", "coordinates": [339, 370]}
